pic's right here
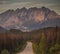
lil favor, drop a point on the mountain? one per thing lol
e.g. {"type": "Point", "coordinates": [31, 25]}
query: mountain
{"type": "Point", "coordinates": [29, 19]}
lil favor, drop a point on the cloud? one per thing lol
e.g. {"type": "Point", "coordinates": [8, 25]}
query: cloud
{"type": "Point", "coordinates": [4, 2]}
{"type": "Point", "coordinates": [13, 4]}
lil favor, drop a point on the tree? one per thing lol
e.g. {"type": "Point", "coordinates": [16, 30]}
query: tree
{"type": "Point", "coordinates": [43, 45]}
{"type": "Point", "coordinates": [41, 48]}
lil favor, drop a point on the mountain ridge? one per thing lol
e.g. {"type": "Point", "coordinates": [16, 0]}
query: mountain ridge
{"type": "Point", "coordinates": [32, 16]}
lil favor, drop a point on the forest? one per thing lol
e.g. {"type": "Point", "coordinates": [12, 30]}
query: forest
{"type": "Point", "coordinates": [44, 41]}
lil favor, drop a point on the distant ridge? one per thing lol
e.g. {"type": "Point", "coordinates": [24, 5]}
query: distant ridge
{"type": "Point", "coordinates": [2, 29]}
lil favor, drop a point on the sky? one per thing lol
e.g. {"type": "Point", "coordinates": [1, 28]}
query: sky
{"type": "Point", "coordinates": [14, 4]}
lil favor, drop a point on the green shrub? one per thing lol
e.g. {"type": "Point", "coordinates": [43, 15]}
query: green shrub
{"type": "Point", "coordinates": [35, 48]}
{"type": "Point", "coordinates": [54, 49]}
{"type": "Point", "coordinates": [20, 47]}
{"type": "Point", "coordinates": [5, 52]}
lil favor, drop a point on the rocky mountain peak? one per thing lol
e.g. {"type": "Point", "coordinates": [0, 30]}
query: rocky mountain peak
{"type": "Point", "coordinates": [26, 17]}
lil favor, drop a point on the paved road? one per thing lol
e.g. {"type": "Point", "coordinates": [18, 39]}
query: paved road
{"type": "Point", "coordinates": [28, 49]}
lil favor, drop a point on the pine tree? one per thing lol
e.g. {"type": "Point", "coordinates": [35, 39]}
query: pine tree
{"type": "Point", "coordinates": [43, 45]}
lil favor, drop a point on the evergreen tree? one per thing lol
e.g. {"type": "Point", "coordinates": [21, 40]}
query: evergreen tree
{"type": "Point", "coordinates": [41, 48]}
{"type": "Point", "coordinates": [43, 45]}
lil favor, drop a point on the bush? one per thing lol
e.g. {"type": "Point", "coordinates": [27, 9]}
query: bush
{"type": "Point", "coordinates": [35, 48]}
{"type": "Point", "coordinates": [5, 52]}
{"type": "Point", "coordinates": [54, 49]}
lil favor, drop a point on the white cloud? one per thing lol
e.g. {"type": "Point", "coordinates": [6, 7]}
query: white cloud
{"type": "Point", "coordinates": [4, 7]}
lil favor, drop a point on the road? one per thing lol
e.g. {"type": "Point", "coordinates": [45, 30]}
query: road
{"type": "Point", "coordinates": [28, 49]}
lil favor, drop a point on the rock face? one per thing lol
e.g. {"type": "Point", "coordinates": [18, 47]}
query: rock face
{"type": "Point", "coordinates": [27, 19]}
